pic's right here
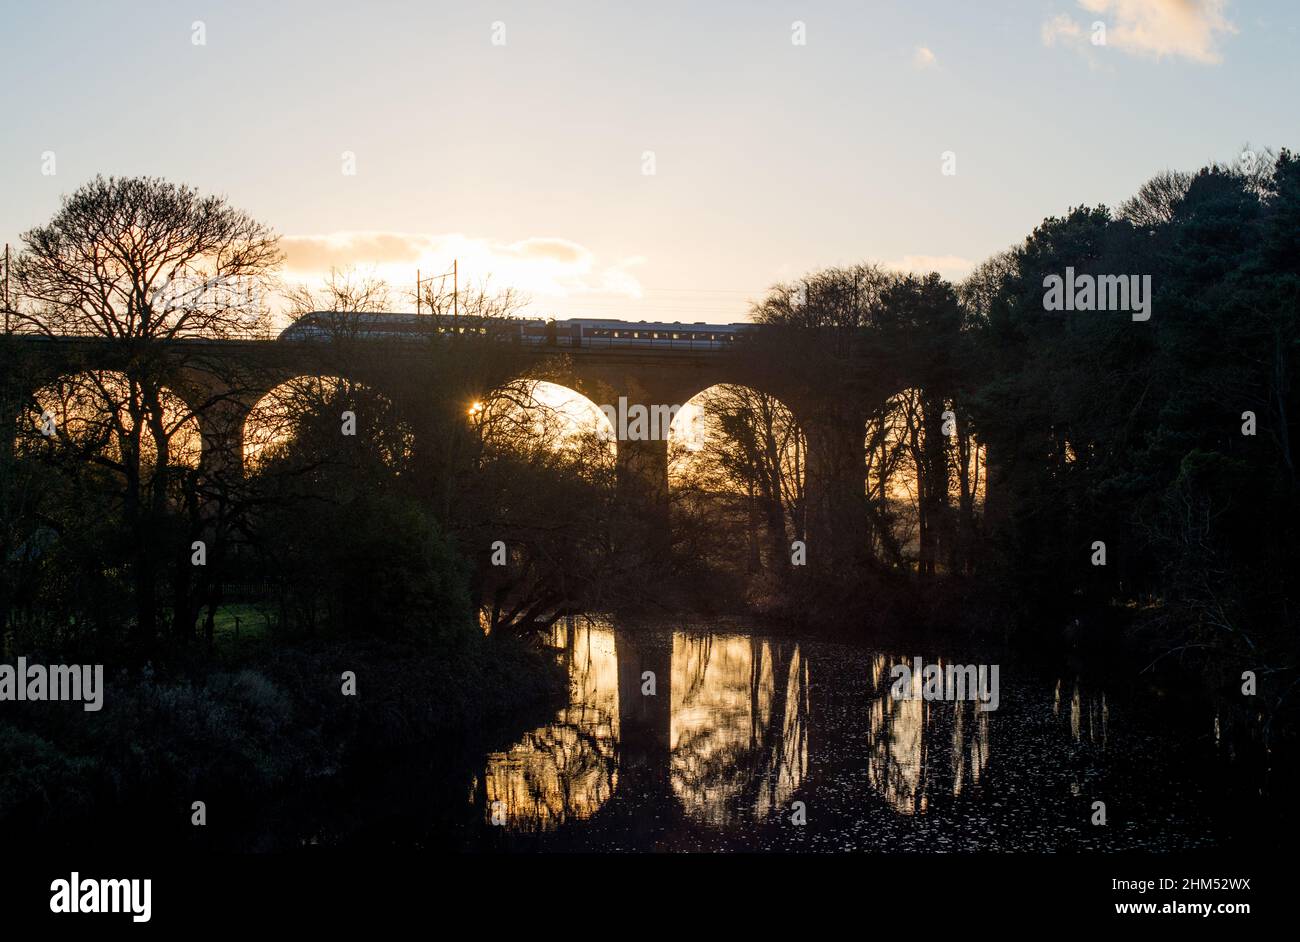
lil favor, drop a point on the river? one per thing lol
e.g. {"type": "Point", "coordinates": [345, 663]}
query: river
{"type": "Point", "coordinates": [704, 738]}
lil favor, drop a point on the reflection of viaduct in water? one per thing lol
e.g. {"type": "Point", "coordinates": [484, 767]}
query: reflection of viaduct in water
{"type": "Point", "coordinates": [223, 380]}
{"type": "Point", "coordinates": [727, 738]}
{"type": "Point", "coordinates": [724, 738]}
{"type": "Point", "coordinates": [920, 749]}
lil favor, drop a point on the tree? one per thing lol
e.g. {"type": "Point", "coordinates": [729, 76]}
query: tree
{"type": "Point", "coordinates": [924, 319]}
{"type": "Point", "coordinates": [544, 488]}
{"type": "Point", "coordinates": [751, 446]}
{"type": "Point", "coordinates": [138, 262]}
{"type": "Point", "coordinates": [1156, 200]}
{"type": "Point", "coordinates": [341, 303]}
{"type": "Point", "coordinates": [143, 259]}
{"type": "Point", "coordinates": [1167, 439]}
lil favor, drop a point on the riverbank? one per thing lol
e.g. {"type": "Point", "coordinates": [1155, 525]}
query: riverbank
{"type": "Point", "coordinates": [258, 730]}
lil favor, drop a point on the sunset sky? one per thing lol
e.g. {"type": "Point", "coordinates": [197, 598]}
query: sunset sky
{"type": "Point", "coordinates": [525, 159]}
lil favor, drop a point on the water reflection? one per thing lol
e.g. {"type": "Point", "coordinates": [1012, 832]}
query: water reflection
{"type": "Point", "coordinates": [740, 726]}
{"type": "Point", "coordinates": [566, 770]}
{"type": "Point", "coordinates": [1088, 713]}
{"type": "Point", "coordinates": [910, 760]}
{"type": "Point", "coordinates": [723, 738]}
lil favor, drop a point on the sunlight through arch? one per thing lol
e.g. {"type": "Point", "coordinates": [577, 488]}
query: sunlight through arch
{"type": "Point", "coordinates": [92, 411]}
{"type": "Point", "coordinates": [717, 417]}
{"type": "Point", "coordinates": [896, 448]}
{"type": "Point", "coordinates": [528, 414]}
{"type": "Point", "coordinates": [279, 415]}
{"type": "Point", "coordinates": [736, 469]}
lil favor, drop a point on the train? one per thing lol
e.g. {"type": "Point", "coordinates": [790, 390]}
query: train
{"type": "Point", "coordinates": [568, 332]}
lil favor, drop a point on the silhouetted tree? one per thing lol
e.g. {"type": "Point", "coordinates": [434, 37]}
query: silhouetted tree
{"type": "Point", "coordinates": [139, 262]}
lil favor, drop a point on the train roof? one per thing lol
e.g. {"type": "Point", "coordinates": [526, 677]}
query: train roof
{"type": "Point", "coordinates": [408, 319]}
{"type": "Point", "coordinates": [602, 322]}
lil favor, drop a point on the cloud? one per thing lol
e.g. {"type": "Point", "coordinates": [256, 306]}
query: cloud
{"type": "Point", "coordinates": [1060, 27]}
{"type": "Point", "coordinates": [923, 58]}
{"type": "Point", "coordinates": [559, 250]}
{"type": "Point", "coordinates": [1156, 29]}
{"type": "Point", "coordinates": [949, 266]}
{"type": "Point", "coordinates": [540, 266]}
{"type": "Point", "coordinates": [344, 249]}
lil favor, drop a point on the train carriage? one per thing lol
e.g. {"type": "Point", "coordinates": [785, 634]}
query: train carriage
{"type": "Point", "coordinates": [571, 332]}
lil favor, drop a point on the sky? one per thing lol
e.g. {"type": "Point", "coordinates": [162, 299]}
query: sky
{"type": "Point", "coordinates": [646, 161]}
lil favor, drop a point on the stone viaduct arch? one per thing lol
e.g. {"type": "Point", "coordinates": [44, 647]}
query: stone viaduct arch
{"type": "Point", "coordinates": [221, 381]}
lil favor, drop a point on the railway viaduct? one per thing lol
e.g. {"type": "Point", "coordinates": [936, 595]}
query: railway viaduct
{"type": "Point", "coordinates": [222, 380]}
